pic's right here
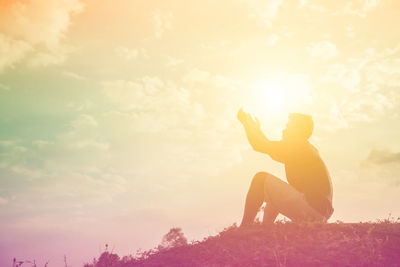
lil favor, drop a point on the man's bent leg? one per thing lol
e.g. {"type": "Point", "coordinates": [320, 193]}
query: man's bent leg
{"type": "Point", "coordinates": [270, 214]}
{"type": "Point", "coordinates": [254, 198]}
{"type": "Point", "coordinates": [288, 201]}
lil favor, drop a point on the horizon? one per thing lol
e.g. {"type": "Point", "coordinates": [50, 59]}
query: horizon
{"type": "Point", "coordinates": [118, 119]}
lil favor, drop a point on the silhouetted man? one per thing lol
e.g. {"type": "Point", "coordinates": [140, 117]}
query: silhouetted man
{"type": "Point", "coordinates": [308, 193]}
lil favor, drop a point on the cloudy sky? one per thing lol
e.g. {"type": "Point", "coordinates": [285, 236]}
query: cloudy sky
{"type": "Point", "coordinates": [118, 118]}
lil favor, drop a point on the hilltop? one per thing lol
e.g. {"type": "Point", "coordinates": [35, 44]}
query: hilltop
{"type": "Point", "coordinates": [282, 244]}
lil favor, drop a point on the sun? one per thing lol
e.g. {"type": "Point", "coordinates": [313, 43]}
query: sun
{"type": "Point", "coordinates": [270, 95]}
{"type": "Point", "coordinates": [275, 96]}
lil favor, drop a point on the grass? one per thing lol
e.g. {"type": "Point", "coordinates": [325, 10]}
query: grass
{"type": "Point", "coordinates": [283, 244]}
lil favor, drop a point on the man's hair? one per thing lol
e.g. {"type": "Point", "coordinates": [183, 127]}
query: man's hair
{"type": "Point", "coordinates": [304, 123]}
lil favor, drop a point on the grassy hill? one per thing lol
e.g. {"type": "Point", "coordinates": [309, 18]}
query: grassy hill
{"type": "Point", "coordinates": [283, 244]}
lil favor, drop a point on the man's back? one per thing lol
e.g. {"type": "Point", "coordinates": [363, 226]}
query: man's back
{"type": "Point", "coordinates": [307, 172]}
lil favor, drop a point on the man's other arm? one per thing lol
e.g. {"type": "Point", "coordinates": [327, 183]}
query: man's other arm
{"type": "Point", "coordinates": [258, 141]}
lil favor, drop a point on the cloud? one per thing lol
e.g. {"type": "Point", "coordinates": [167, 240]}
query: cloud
{"type": "Point", "coordinates": [266, 11]}
{"type": "Point", "coordinates": [173, 62]}
{"type": "Point", "coordinates": [162, 23]}
{"type": "Point", "coordinates": [84, 120]}
{"type": "Point", "coordinates": [366, 85]}
{"type": "Point", "coordinates": [11, 51]}
{"type": "Point", "coordinates": [73, 75]}
{"type": "Point", "coordinates": [361, 8]}
{"type": "Point", "coordinates": [323, 49]}
{"type": "Point", "coordinates": [350, 31]}
{"type": "Point", "coordinates": [272, 39]}
{"type": "Point", "coordinates": [347, 75]}
{"type": "Point", "coordinates": [81, 106]}
{"type": "Point", "coordinates": [382, 156]}
{"type": "Point", "coordinates": [386, 72]}
{"type": "Point", "coordinates": [27, 172]}
{"type": "Point", "coordinates": [196, 76]}
{"type": "Point", "coordinates": [151, 104]}
{"type": "Point", "coordinates": [83, 135]}
{"type": "Point", "coordinates": [34, 29]}
{"type": "Point", "coordinates": [129, 53]}
{"type": "Point", "coordinates": [52, 56]}
{"type": "Point", "coordinates": [42, 143]}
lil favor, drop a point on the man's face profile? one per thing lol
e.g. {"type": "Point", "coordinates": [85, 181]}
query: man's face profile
{"type": "Point", "coordinates": [287, 133]}
{"type": "Point", "coordinates": [296, 129]}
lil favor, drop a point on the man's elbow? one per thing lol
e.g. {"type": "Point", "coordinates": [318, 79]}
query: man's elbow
{"type": "Point", "coordinates": [259, 148]}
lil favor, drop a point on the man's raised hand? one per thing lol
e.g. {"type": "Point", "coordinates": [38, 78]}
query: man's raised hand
{"type": "Point", "coordinates": [242, 116]}
{"type": "Point", "coordinates": [247, 120]}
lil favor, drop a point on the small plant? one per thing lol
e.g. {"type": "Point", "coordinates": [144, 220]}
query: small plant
{"type": "Point", "coordinates": [174, 238]}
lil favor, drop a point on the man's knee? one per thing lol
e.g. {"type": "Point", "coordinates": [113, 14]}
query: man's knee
{"type": "Point", "coordinates": [259, 179]}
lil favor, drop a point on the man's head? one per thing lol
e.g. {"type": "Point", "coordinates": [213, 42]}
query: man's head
{"type": "Point", "coordinates": [299, 127]}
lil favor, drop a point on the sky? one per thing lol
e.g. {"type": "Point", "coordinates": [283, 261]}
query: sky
{"type": "Point", "coordinates": [118, 118]}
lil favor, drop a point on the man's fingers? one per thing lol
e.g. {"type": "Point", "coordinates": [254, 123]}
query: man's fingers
{"type": "Point", "coordinates": [242, 116]}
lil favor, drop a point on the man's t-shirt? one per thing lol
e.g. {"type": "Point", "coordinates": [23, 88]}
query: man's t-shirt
{"type": "Point", "coordinates": [305, 171]}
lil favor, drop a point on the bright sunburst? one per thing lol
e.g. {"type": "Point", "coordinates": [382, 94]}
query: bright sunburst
{"type": "Point", "coordinates": [270, 95]}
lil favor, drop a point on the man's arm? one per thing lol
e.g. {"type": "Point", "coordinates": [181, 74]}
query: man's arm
{"type": "Point", "coordinates": [259, 142]}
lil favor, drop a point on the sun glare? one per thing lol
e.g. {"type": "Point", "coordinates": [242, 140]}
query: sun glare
{"type": "Point", "coordinates": [277, 95]}
{"type": "Point", "coordinates": [270, 95]}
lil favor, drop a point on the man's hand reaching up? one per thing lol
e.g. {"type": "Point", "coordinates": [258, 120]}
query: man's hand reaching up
{"type": "Point", "coordinates": [247, 120]}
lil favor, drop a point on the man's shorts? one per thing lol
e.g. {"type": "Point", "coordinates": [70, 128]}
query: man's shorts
{"type": "Point", "coordinates": [288, 201]}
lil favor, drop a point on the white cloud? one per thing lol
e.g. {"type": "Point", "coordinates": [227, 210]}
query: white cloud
{"type": "Point", "coordinates": [162, 23]}
{"type": "Point", "coordinates": [370, 5]}
{"type": "Point", "coordinates": [35, 29]}
{"type": "Point", "coordinates": [84, 134]}
{"type": "Point", "coordinates": [52, 56]}
{"type": "Point", "coordinates": [350, 31]}
{"type": "Point", "coordinates": [81, 106]}
{"type": "Point", "coordinates": [302, 3]}
{"type": "Point", "coordinates": [347, 76]}
{"type": "Point", "coordinates": [127, 53]}
{"type": "Point", "coordinates": [151, 104]}
{"type": "Point", "coordinates": [42, 143]}
{"type": "Point", "coordinates": [366, 86]}
{"type": "Point", "coordinates": [196, 76]}
{"type": "Point", "coordinates": [272, 39]}
{"type": "Point", "coordinates": [386, 72]}
{"type": "Point", "coordinates": [27, 172]}
{"type": "Point", "coordinates": [91, 144]}
{"type": "Point", "coordinates": [73, 75]}
{"type": "Point", "coordinates": [264, 10]}
{"type": "Point", "coordinates": [84, 120]}
{"type": "Point", "coordinates": [323, 49]}
{"type": "Point", "coordinates": [361, 8]}
{"type": "Point", "coordinates": [172, 62]}
{"type": "Point", "coordinates": [11, 51]}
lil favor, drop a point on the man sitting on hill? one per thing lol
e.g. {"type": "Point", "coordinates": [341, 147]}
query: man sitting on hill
{"type": "Point", "coordinates": [308, 193]}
